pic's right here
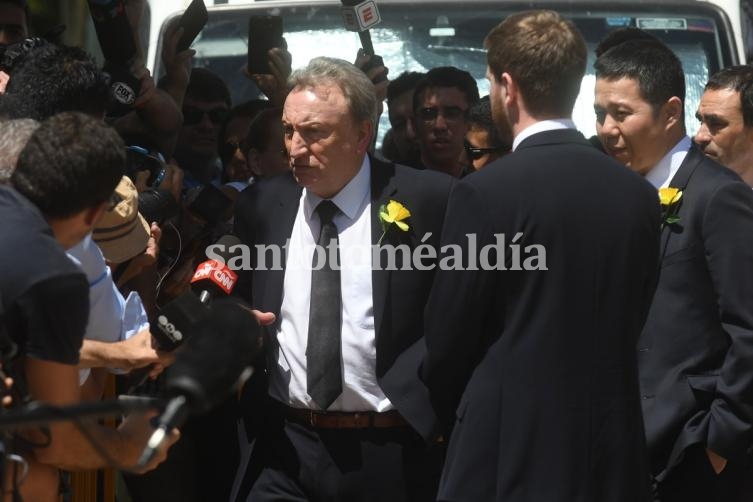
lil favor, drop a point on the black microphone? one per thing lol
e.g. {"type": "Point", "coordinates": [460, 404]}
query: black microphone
{"type": "Point", "coordinates": [212, 279]}
{"type": "Point", "coordinates": [119, 49]}
{"type": "Point", "coordinates": [360, 16]}
{"type": "Point", "coordinates": [214, 361]}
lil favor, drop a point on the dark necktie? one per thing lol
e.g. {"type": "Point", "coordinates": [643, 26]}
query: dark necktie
{"type": "Point", "coordinates": [324, 381]}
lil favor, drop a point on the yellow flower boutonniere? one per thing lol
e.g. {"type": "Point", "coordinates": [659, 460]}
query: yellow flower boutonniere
{"type": "Point", "coordinates": [393, 213]}
{"type": "Point", "coordinates": [668, 198]}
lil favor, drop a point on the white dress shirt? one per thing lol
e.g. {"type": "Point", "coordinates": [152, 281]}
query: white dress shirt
{"type": "Point", "coordinates": [358, 338]}
{"type": "Point", "coordinates": [544, 125]}
{"type": "Point", "coordinates": [662, 173]}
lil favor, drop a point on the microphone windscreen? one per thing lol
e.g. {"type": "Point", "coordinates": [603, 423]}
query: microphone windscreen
{"type": "Point", "coordinates": [218, 353]}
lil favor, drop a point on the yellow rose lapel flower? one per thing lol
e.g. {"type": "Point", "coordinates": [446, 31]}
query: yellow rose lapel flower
{"type": "Point", "coordinates": [669, 197]}
{"type": "Point", "coordinates": [393, 214]}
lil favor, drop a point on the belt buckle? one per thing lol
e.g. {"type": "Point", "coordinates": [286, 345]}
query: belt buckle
{"type": "Point", "coordinates": [312, 420]}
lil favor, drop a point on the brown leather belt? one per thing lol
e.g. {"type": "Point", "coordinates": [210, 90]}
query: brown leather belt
{"type": "Point", "coordinates": [345, 420]}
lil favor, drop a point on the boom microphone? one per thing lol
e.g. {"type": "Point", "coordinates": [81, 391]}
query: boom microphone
{"type": "Point", "coordinates": [215, 360]}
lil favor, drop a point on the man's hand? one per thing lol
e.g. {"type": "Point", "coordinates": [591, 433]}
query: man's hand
{"type": "Point", "coordinates": [177, 64]}
{"type": "Point", "coordinates": [264, 318]}
{"type": "Point", "coordinates": [139, 351]}
{"type": "Point", "coordinates": [275, 85]}
{"type": "Point", "coordinates": [147, 89]}
{"type": "Point", "coordinates": [717, 461]}
{"type": "Point", "coordinates": [136, 431]}
{"type": "Point", "coordinates": [374, 74]}
{"type": "Point", "coordinates": [146, 259]}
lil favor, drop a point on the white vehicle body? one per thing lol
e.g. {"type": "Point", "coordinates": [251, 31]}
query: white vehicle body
{"type": "Point", "coordinates": [415, 35]}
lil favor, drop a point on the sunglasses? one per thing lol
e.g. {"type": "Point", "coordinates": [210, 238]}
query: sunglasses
{"type": "Point", "coordinates": [450, 113]}
{"type": "Point", "coordinates": [476, 153]}
{"type": "Point", "coordinates": [193, 116]}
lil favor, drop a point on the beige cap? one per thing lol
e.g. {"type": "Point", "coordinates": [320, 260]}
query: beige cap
{"type": "Point", "coordinates": [122, 233]}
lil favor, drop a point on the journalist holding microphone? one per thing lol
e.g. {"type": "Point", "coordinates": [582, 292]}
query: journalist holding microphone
{"type": "Point", "coordinates": [62, 184]}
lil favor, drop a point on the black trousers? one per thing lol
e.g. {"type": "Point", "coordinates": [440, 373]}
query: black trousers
{"type": "Point", "coordinates": [294, 462]}
{"type": "Point", "coordinates": [694, 480]}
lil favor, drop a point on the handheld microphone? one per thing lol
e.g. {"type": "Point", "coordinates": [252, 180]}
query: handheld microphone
{"type": "Point", "coordinates": [215, 360]}
{"type": "Point", "coordinates": [360, 16]}
{"type": "Point", "coordinates": [212, 279]}
{"type": "Point", "coordinates": [119, 49]}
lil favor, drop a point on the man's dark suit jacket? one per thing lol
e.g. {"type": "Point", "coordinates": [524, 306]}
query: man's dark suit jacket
{"type": "Point", "coordinates": [538, 369]}
{"type": "Point", "coordinates": [695, 354]}
{"type": "Point", "coordinates": [265, 215]}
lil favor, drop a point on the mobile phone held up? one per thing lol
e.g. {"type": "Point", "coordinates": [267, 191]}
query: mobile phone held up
{"type": "Point", "coordinates": [264, 33]}
{"type": "Point", "coordinates": [192, 21]}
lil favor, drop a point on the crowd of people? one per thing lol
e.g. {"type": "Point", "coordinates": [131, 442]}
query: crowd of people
{"type": "Point", "coordinates": [614, 364]}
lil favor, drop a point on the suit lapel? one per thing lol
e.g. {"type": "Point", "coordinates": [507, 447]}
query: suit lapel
{"type": "Point", "coordinates": [382, 188]}
{"type": "Point", "coordinates": [680, 181]}
{"type": "Point", "coordinates": [283, 216]}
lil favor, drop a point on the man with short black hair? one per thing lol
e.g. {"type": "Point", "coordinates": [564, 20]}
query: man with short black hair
{"type": "Point", "coordinates": [50, 79]}
{"type": "Point", "coordinates": [440, 104]}
{"type": "Point", "coordinates": [484, 141]}
{"type": "Point", "coordinates": [696, 348]}
{"type": "Point", "coordinates": [400, 110]}
{"type": "Point", "coordinates": [61, 186]}
{"type": "Point", "coordinates": [205, 107]}
{"type": "Point", "coordinates": [726, 116]}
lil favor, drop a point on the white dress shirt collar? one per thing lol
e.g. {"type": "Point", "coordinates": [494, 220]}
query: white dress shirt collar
{"type": "Point", "coordinates": [662, 173]}
{"type": "Point", "coordinates": [349, 198]}
{"type": "Point", "coordinates": [544, 125]}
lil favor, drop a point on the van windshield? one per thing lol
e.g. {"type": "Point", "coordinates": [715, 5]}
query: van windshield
{"type": "Point", "coordinates": [422, 35]}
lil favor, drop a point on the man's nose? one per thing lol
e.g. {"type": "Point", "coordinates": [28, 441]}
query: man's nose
{"type": "Point", "coordinates": [702, 137]}
{"type": "Point", "coordinates": [297, 146]}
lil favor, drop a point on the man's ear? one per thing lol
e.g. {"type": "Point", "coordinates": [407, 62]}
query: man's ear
{"type": "Point", "coordinates": [512, 93]}
{"type": "Point", "coordinates": [365, 133]}
{"type": "Point", "coordinates": [92, 215]}
{"type": "Point", "coordinates": [673, 111]}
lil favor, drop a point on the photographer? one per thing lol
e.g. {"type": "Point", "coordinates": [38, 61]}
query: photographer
{"type": "Point", "coordinates": [63, 183]}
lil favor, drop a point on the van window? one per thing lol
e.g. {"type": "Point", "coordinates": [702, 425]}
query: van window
{"type": "Point", "coordinates": [418, 36]}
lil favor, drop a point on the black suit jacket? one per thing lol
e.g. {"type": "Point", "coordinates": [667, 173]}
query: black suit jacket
{"type": "Point", "coordinates": [265, 215]}
{"type": "Point", "coordinates": [696, 350]}
{"type": "Point", "coordinates": [538, 369]}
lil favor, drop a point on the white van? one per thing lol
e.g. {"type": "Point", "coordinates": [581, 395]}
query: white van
{"type": "Point", "coordinates": [415, 35]}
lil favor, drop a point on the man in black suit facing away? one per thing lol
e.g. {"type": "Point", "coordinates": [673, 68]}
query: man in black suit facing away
{"type": "Point", "coordinates": [695, 354]}
{"type": "Point", "coordinates": [535, 362]}
{"type": "Point", "coordinates": [344, 407]}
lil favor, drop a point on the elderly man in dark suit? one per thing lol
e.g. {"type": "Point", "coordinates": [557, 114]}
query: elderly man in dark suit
{"type": "Point", "coordinates": [344, 410]}
{"type": "Point", "coordinates": [695, 354]}
{"type": "Point", "coordinates": [534, 362]}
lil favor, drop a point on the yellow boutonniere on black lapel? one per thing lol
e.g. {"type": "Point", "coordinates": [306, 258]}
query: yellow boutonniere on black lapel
{"type": "Point", "coordinates": [668, 198]}
{"type": "Point", "coordinates": [393, 214]}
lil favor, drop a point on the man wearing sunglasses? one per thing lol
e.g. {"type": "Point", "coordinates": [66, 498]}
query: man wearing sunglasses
{"type": "Point", "coordinates": [205, 107]}
{"type": "Point", "coordinates": [440, 103]}
{"type": "Point", "coordinates": [485, 142]}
